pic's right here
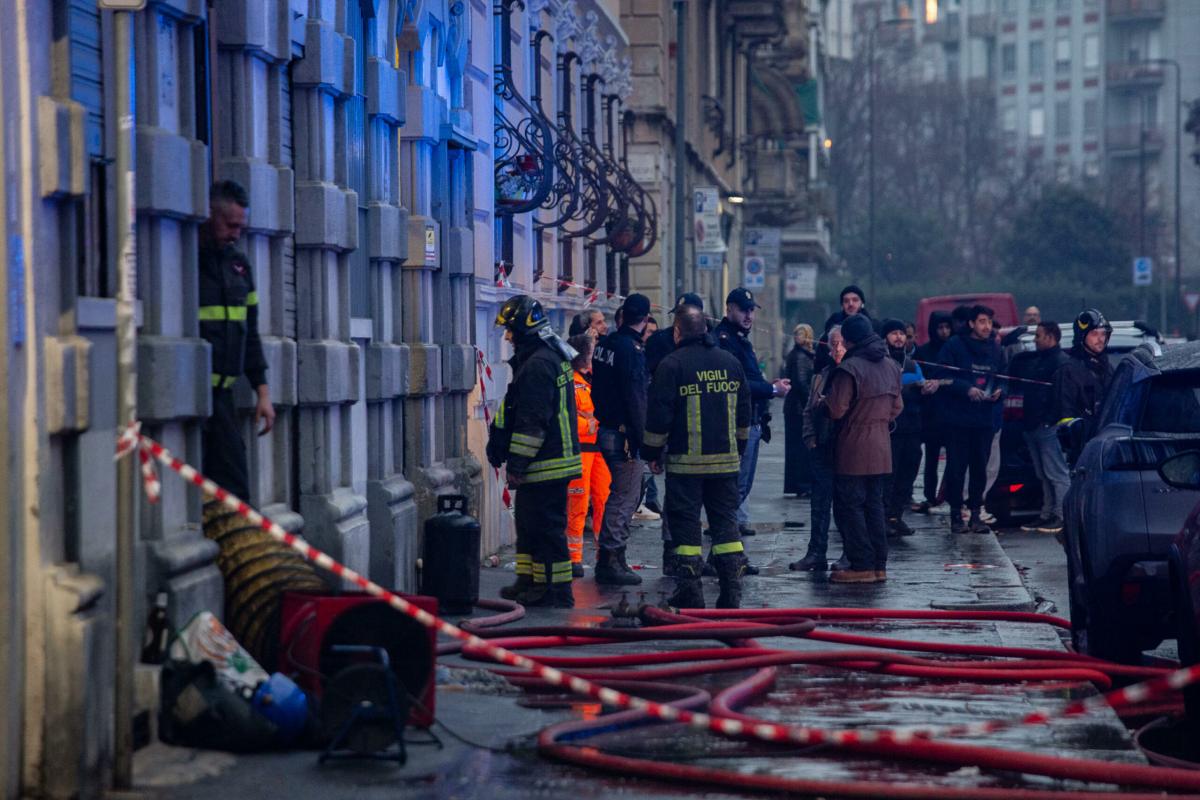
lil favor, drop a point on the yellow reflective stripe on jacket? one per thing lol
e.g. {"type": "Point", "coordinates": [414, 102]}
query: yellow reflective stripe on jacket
{"type": "Point", "coordinates": [702, 458]}
{"type": "Point", "coordinates": [222, 313]}
{"type": "Point", "coordinates": [688, 550]}
{"type": "Point", "coordinates": [1066, 420]}
{"type": "Point", "coordinates": [566, 422]}
{"type": "Point", "coordinates": [727, 547]}
{"type": "Point", "coordinates": [703, 469]}
{"type": "Point", "coordinates": [223, 381]}
{"type": "Point", "coordinates": [529, 441]}
{"type": "Point", "coordinates": [252, 298]}
{"type": "Point", "coordinates": [522, 450]}
{"type": "Point", "coordinates": [731, 418]}
{"type": "Point", "coordinates": [651, 439]}
{"type": "Point", "coordinates": [500, 415]}
{"type": "Point", "coordinates": [695, 441]}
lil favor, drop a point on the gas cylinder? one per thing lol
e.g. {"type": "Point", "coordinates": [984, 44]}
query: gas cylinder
{"type": "Point", "coordinates": [451, 556]}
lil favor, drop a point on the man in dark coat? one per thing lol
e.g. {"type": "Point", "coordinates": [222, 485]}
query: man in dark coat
{"type": "Point", "coordinates": [1041, 430]}
{"type": "Point", "coordinates": [733, 336]}
{"type": "Point", "coordinates": [933, 434]}
{"type": "Point", "coordinates": [864, 394]}
{"type": "Point", "coordinates": [968, 408]}
{"type": "Point", "coordinates": [619, 388]}
{"type": "Point", "coordinates": [798, 368]}
{"type": "Point", "coordinates": [906, 434]}
{"type": "Point", "coordinates": [853, 301]}
{"type": "Point", "coordinates": [1081, 383]}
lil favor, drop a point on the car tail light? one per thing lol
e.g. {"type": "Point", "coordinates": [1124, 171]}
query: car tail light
{"type": "Point", "coordinates": [1130, 592]}
{"type": "Point", "coordinates": [1013, 488]}
{"type": "Point", "coordinates": [1143, 454]}
{"type": "Point", "coordinates": [1014, 408]}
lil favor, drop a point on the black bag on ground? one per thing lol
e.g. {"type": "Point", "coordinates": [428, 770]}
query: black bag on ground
{"type": "Point", "coordinates": [197, 711]}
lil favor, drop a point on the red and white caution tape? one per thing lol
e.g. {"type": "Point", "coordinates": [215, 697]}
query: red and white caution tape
{"type": "Point", "coordinates": [132, 439]}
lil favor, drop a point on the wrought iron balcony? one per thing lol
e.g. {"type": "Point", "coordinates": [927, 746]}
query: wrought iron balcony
{"type": "Point", "coordinates": [1123, 140]}
{"type": "Point", "coordinates": [1139, 73]}
{"type": "Point", "coordinates": [523, 139]}
{"type": "Point", "coordinates": [1135, 10]}
{"type": "Point", "coordinates": [580, 199]}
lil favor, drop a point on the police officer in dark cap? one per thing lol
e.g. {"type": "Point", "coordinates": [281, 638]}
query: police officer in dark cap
{"type": "Point", "coordinates": [619, 385]}
{"type": "Point", "coordinates": [662, 341]}
{"type": "Point", "coordinates": [733, 335]}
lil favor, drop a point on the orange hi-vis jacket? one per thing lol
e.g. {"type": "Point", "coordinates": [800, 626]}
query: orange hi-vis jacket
{"type": "Point", "coordinates": [585, 413]}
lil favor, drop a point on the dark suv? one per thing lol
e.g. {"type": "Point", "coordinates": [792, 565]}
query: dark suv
{"type": "Point", "coordinates": [1121, 516]}
{"type": "Point", "coordinates": [1016, 494]}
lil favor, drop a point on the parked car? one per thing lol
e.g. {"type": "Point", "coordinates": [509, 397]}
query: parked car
{"type": "Point", "coordinates": [1016, 494]}
{"type": "Point", "coordinates": [1182, 471]}
{"type": "Point", "coordinates": [1001, 302]}
{"type": "Point", "coordinates": [1121, 516]}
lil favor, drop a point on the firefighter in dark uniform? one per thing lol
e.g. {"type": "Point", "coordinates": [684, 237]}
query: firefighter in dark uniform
{"type": "Point", "coordinates": [535, 438]}
{"type": "Point", "coordinates": [699, 414]}
{"type": "Point", "coordinates": [229, 323]}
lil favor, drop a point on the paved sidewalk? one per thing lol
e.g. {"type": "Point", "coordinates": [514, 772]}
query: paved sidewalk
{"type": "Point", "coordinates": [931, 569]}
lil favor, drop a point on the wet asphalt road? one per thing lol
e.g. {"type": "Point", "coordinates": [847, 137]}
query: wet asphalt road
{"type": "Point", "coordinates": [930, 569]}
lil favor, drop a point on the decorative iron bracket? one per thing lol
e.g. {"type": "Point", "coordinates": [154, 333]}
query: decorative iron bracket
{"type": "Point", "coordinates": [523, 138]}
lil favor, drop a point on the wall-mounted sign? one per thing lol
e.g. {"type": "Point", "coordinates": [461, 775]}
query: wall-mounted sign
{"type": "Point", "coordinates": [754, 272]}
{"type": "Point", "coordinates": [766, 243]}
{"type": "Point", "coordinates": [710, 261]}
{"type": "Point", "coordinates": [706, 219]}
{"type": "Point", "coordinates": [800, 282]}
{"type": "Point", "coordinates": [430, 245]}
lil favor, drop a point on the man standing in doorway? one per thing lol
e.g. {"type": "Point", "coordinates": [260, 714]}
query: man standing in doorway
{"type": "Point", "coordinates": [619, 387]}
{"type": "Point", "coordinates": [733, 336]}
{"type": "Point", "coordinates": [229, 323]}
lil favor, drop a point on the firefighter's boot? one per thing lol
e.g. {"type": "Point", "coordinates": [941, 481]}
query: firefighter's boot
{"type": "Point", "coordinates": [524, 578]}
{"type": "Point", "coordinates": [730, 568]}
{"type": "Point", "coordinates": [689, 592]}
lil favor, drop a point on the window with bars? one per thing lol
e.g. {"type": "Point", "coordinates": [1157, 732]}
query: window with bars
{"type": "Point", "coordinates": [1037, 58]}
{"type": "Point", "coordinates": [1062, 119]}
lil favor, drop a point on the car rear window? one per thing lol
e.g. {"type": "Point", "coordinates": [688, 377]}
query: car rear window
{"type": "Point", "coordinates": [1173, 405]}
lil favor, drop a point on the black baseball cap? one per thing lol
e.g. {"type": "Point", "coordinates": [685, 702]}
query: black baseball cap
{"type": "Point", "coordinates": [743, 298]}
{"type": "Point", "coordinates": [636, 306]}
{"type": "Point", "coordinates": [688, 299]}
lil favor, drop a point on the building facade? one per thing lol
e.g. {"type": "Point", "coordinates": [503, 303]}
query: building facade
{"type": "Point", "coordinates": [410, 164]}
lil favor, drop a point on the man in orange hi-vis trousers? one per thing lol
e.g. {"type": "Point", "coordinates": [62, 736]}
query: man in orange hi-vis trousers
{"type": "Point", "coordinates": [596, 480]}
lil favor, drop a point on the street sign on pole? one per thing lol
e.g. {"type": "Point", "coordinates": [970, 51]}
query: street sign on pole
{"type": "Point", "coordinates": [706, 219]}
{"type": "Point", "coordinates": [754, 272]}
{"type": "Point", "coordinates": [1192, 301]}
{"type": "Point", "coordinates": [709, 261]}
{"type": "Point", "coordinates": [1143, 271]}
{"type": "Point", "coordinates": [800, 282]}
{"type": "Point", "coordinates": [767, 243]}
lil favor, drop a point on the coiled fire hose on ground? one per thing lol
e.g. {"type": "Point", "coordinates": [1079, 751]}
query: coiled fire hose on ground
{"type": "Point", "coordinates": [722, 717]}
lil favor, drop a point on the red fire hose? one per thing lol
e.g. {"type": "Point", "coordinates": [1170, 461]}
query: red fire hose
{"type": "Point", "coordinates": [870, 653]}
